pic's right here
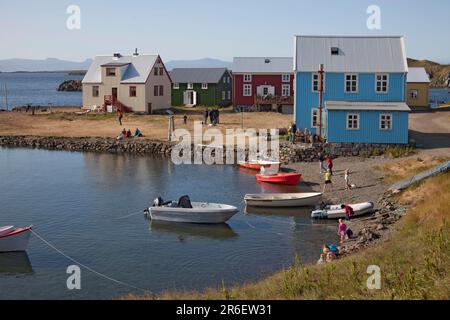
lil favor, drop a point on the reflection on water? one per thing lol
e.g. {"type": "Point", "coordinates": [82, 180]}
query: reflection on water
{"type": "Point", "coordinates": [13, 263]}
{"type": "Point", "coordinates": [186, 231]}
{"type": "Point", "coordinates": [271, 211]}
{"type": "Point", "coordinates": [90, 206]}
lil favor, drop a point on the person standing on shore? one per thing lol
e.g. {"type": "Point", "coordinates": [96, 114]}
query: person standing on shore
{"type": "Point", "coordinates": [205, 116]}
{"type": "Point", "coordinates": [185, 119]}
{"type": "Point", "coordinates": [321, 160]}
{"type": "Point", "coordinates": [328, 183]}
{"type": "Point", "coordinates": [342, 230]}
{"type": "Point", "coordinates": [120, 116]}
{"type": "Point", "coordinates": [293, 132]}
{"type": "Point", "coordinates": [330, 164]}
{"type": "Point", "coordinates": [347, 179]}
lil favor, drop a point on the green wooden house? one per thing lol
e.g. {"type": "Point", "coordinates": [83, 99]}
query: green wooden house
{"type": "Point", "coordinates": [201, 87]}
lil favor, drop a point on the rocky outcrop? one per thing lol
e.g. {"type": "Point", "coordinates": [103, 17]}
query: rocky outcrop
{"type": "Point", "coordinates": [70, 85]}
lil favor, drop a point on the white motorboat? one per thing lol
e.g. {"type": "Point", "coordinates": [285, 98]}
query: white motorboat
{"type": "Point", "coordinates": [12, 240]}
{"type": "Point", "coordinates": [283, 199]}
{"type": "Point", "coordinates": [336, 211]}
{"type": "Point", "coordinates": [191, 212]}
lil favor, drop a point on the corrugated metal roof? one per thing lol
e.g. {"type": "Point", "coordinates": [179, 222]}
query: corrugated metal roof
{"type": "Point", "coordinates": [262, 65]}
{"type": "Point", "coordinates": [138, 68]}
{"type": "Point", "coordinates": [417, 75]}
{"type": "Point", "coordinates": [356, 105]}
{"type": "Point", "coordinates": [197, 75]}
{"type": "Point", "coordinates": [355, 54]}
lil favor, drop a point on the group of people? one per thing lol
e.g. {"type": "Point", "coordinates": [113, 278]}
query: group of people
{"type": "Point", "coordinates": [331, 252]}
{"type": "Point", "coordinates": [213, 116]}
{"type": "Point", "coordinates": [126, 134]}
{"type": "Point", "coordinates": [297, 135]}
{"type": "Point", "coordinates": [328, 169]}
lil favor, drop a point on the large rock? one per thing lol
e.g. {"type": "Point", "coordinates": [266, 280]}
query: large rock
{"type": "Point", "coordinates": [71, 85]}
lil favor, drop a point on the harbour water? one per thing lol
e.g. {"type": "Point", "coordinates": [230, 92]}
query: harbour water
{"type": "Point", "coordinates": [38, 89]}
{"type": "Point", "coordinates": [89, 206]}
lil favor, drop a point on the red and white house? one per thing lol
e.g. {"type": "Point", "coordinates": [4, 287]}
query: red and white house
{"type": "Point", "coordinates": [266, 83]}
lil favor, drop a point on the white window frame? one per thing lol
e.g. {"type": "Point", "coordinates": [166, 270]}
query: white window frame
{"type": "Point", "coordinates": [247, 87]}
{"type": "Point", "coordinates": [390, 121]}
{"type": "Point", "coordinates": [416, 97]}
{"type": "Point", "coordinates": [204, 86]}
{"type": "Point", "coordinates": [347, 118]}
{"type": "Point", "coordinates": [285, 90]}
{"type": "Point", "coordinates": [286, 78]}
{"type": "Point", "coordinates": [247, 78]}
{"type": "Point", "coordinates": [314, 114]}
{"type": "Point", "coordinates": [381, 83]}
{"type": "Point", "coordinates": [224, 95]}
{"type": "Point", "coordinates": [176, 85]}
{"type": "Point", "coordinates": [351, 82]}
{"type": "Point", "coordinates": [190, 86]}
{"type": "Point", "coordinates": [318, 81]}
{"type": "Point", "coordinates": [228, 95]}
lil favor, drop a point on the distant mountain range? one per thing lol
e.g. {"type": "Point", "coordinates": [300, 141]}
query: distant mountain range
{"type": "Point", "coordinates": [53, 64]}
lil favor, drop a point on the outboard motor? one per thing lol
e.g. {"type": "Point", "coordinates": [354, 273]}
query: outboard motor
{"type": "Point", "coordinates": [158, 202]}
{"type": "Point", "coordinates": [185, 202]}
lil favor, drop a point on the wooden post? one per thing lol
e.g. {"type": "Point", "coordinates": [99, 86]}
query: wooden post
{"type": "Point", "coordinates": [321, 72]}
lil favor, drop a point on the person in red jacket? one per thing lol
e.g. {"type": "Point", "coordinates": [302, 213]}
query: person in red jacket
{"type": "Point", "coordinates": [349, 212]}
{"type": "Point", "coordinates": [330, 164]}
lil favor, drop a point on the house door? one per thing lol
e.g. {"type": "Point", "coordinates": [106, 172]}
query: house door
{"type": "Point", "coordinates": [114, 93]}
{"type": "Point", "coordinates": [149, 108]}
{"type": "Point", "coordinates": [190, 98]}
{"type": "Point", "coordinates": [265, 90]}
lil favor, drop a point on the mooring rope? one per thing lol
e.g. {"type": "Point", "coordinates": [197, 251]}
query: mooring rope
{"type": "Point", "coordinates": [87, 267]}
{"type": "Point", "coordinates": [130, 215]}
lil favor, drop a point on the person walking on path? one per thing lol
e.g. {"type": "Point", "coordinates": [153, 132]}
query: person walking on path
{"type": "Point", "coordinates": [342, 230]}
{"type": "Point", "coordinates": [328, 183]}
{"type": "Point", "coordinates": [330, 164]}
{"type": "Point", "coordinates": [185, 119]}
{"type": "Point", "coordinates": [205, 116]}
{"type": "Point", "coordinates": [347, 179]}
{"type": "Point", "coordinates": [120, 116]}
{"type": "Point", "coordinates": [321, 160]}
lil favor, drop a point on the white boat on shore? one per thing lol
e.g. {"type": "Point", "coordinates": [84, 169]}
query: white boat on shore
{"type": "Point", "coordinates": [336, 211]}
{"type": "Point", "coordinates": [191, 212]}
{"type": "Point", "coordinates": [283, 199]}
{"type": "Point", "coordinates": [12, 240]}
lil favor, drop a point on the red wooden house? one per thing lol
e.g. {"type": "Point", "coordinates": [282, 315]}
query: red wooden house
{"type": "Point", "coordinates": [263, 84]}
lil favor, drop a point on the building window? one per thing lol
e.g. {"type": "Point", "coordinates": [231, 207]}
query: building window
{"type": "Point", "coordinates": [316, 82]}
{"type": "Point", "coordinates": [314, 118]}
{"type": "Point", "coordinates": [110, 72]}
{"type": "Point", "coordinates": [285, 90]}
{"type": "Point", "coordinates": [385, 121]}
{"type": "Point", "coordinates": [161, 90]}
{"type": "Point", "coordinates": [247, 78]}
{"type": "Point", "coordinates": [224, 95]}
{"type": "Point", "coordinates": [247, 90]}
{"type": "Point", "coordinates": [161, 71]}
{"type": "Point", "coordinates": [190, 86]}
{"type": "Point", "coordinates": [95, 91]}
{"type": "Point", "coordinates": [132, 91]}
{"type": "Point", "coordinates": [382, 83]}
{"type": "Point", "coordinates": [204, 86]}
{"type": "Point", "coordinates": [228, 80]}
{"type": "Point", "coordinates": [155, 71]}
{"type": "Point", "coordinates": [228, 95]}
{"type": "Point", "coordinates": [352, 121]}
{"type": "Point", "coordinates": [414, 94]}
{"type": "Point", "coordinates": [156, 91]}
{"type": "Point", "coordinates": [176, 86]}
{"type": "Point", "coordinates": [351, 83]}
{"type": "Point", "coordinates": [286, 78]}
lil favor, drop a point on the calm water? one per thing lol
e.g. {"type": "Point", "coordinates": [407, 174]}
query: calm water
{"type": "Point", "coordinates": [79, 202]}
{"type": "Point", "coordinates": [439, 96]}
{"type": "Point", "coordinates": [38, 89]}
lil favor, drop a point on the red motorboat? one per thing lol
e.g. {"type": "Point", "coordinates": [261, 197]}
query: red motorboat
{"type": "Point", "coordinates": [290, 179]}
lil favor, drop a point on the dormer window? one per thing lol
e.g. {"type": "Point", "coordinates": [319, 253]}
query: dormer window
{"type": "Point", "coordinates": [334, 51]}
{"type": "Point", "coordinates": [110, 72]}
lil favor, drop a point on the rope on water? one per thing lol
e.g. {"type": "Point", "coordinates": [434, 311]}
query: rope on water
{"type": "Point", "coordinates": [130, 215]}
{"type": "Point", "coordinates": [252, 226]}
{"type": "Point", "coordinates": [87, 267]}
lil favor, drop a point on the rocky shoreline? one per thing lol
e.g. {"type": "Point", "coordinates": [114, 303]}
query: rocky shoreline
{"type": "Point", "coordinates": [71, 86]}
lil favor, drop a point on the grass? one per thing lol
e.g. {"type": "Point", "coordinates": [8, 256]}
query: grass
{"type": "Point", "coordinates": [398, 152]}
{"type": "Point", "coordinates": [65, 116]}
{"type": "Point", "coordinates": [414, 262]}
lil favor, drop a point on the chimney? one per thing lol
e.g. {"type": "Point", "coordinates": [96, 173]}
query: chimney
{"type": "Point", "coordinates": [116, 56]}
{"type": "Point", "coordinates": [136, 53]}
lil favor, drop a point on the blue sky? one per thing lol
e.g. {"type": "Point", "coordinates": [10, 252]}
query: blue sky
{"type": "Point", "coordinates": [181, 29]}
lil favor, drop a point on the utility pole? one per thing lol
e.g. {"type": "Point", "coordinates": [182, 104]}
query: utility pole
{"type": "Point", "coordinates": [321, 72]}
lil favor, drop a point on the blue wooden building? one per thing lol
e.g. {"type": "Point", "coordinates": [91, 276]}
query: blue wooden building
{"type": "Point", "coordinates": [364, 88]}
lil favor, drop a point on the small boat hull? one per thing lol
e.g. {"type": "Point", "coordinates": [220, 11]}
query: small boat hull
{"type": "Point", "coordinates": [257, 165]}
{"type": "Point", "coordinates": [283, 200]}
{"type": "Point", "coordinates": [16, 240]}
{"type": "Point", "coordinates": [204, 213]}
{"type": "Point", "coordinates": [335, 211]}
{"type": "Point", "coordinates": [290, 179]}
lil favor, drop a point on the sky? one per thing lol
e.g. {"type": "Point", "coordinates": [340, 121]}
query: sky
{"type": "Point", "coordinates": [194, 29]}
